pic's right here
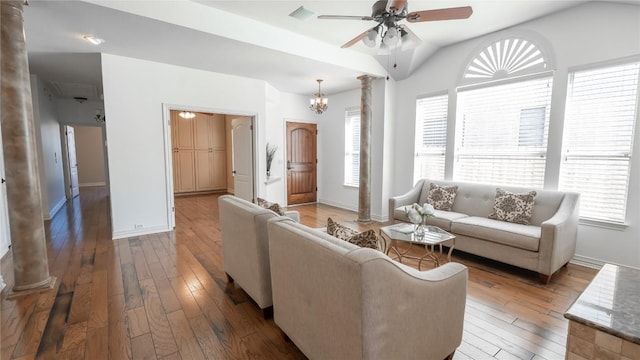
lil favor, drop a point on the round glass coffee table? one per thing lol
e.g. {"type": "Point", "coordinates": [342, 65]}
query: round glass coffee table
{"type": "Point", "coordinates": [433, 237]}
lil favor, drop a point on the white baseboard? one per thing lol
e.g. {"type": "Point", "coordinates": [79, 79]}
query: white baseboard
{"type": "Point", "coordinates": [138, 232]}
{"type": "Point", "coordinates": [587, 262]}
{"type": "Point", "coordinates": [374, 217]}
{"type": "Point", "coordinates": [57, 208]}
{"type": "Point", "coordinates": [593, 263]}
{"type": "Point", "coordinates": [101, 183]}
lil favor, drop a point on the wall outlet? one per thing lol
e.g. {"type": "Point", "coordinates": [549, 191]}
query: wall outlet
{"type": "Point", "coordinates": [137, 226]}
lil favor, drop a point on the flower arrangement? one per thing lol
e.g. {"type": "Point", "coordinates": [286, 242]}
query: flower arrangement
{"type": "Point", "coordinates": [271, 153]}
{"type": "Point", "coordinates": [418, 214]}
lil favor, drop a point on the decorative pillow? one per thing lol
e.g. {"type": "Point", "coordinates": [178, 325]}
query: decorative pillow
{"type": "Point", "coordinates": [442, 197]}
{"type": "Point", "coordinates": [512, 207]}
{"type": "Point", "coordinates": [275, 207]}
{"type": "Point", "coordinates": [367, 239]}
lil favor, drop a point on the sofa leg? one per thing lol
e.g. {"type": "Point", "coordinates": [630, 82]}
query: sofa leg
{"type": "Point", "coordinates": [544, 278]}
{"type": "Point", "coordinates": [450, 357]}
{"type": "Point", "coordinates": [267, 313]}
{"type": "Point", "coordinates": [229, 278]}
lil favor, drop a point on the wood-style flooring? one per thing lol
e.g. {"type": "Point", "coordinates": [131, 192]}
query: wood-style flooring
{"type": "Point", "coordinates": [165, 296]}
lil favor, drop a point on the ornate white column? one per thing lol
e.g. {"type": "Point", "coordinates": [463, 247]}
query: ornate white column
{"type": "Point", "coordinates": [28, 244]}
{"type": "Point", "coordinates": [364, 195]}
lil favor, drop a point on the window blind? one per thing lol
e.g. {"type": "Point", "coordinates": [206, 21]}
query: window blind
{"type": "Point", "coordinates": [431, 137]}
{"type": "Point", "coordinates": [600, 117]}
{"type": "Point", "coordinates": [352, 148]}
{"type": "Point", "coordinates": [501, 133]}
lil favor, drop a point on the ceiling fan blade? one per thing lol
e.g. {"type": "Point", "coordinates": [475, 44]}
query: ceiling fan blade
{"type": "Point", "coordinates": [399, 5]}
{"type": "Point", "coordinates": [344, 17]}
{"type": "Point", "coordinates": [440, 14]}
{"type": "Point", "coordinates": [355, 39]}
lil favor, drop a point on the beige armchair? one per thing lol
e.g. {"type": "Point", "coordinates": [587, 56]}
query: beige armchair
{"type": "Point", "coordinates": [335, 300]}
{"type": "Point", "coordinates": [245, 247]}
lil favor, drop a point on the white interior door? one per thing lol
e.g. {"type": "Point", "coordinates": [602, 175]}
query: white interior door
{"type": "Point", "coordinates": [242, 145]}
{"type": "Point", "coordinates": [73, 161]}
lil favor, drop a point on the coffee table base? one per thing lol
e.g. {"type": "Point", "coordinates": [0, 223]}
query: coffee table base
{"type": "Point", "coordinates": [430, 253]}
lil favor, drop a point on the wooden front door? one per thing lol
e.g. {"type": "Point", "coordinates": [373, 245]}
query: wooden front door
{"type": "Point", "coordinates": [301, 163]}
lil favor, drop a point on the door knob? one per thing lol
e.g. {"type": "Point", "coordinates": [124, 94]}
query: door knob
{"type": "Point", "coordinates": [3, 180]}
{"type": "Point", "coordinates": [289, 165]}
{"type": "Point", "coordinates": [233, 172]}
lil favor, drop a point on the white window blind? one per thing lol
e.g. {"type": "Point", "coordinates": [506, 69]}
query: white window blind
{"type": "Point", "coordinates": [431, 137]}
{"type": "Point", "coordinates": [352, 147]}
{"type": "Point", "coordinates": [600, 117]}
{"type": "Point", "coordinates": [501, 133]}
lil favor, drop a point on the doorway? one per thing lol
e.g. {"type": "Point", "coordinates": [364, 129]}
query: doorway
{"type": "Point", "coordinates": [302, 163]}
{"type": "Point", "coordinates": [73, 185]}
{"type": "Point", "coordinates": [232, 145]}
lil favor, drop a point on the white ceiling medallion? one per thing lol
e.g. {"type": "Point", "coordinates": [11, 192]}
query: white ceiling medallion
{"type": "Point", "coordinates": [504, 58]}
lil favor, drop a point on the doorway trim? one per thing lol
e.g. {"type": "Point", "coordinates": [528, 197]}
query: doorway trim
{"type": "Point", "coordinates": [168, 158]}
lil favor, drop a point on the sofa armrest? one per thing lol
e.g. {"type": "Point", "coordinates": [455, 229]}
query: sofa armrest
{"type": "Point", "coordinates": [424, 310]}
{"type": "Point", "coordinates": [559, 235]}
{"type": "Point", "coordinates": [293, 215]}
{"type": "Point", "coordinates": [413, 196]}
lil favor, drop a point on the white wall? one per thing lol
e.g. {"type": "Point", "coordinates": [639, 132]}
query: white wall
{"type": "Point", "coordinates": [331, 126]}
{"type": "Point", "coordinates": [49, 149]}
{"type": "Point", "coordinates": [134, 94]}
{"type": "Point", "coordinates": [588, 34]}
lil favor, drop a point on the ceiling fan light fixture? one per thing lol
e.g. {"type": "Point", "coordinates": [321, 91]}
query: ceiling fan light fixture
{"type": "Point", "coordinates": [370, 39]}
{"type": "Point", "coordinates": [319, 103]}
{"type": "Point", "coordinates": [391, 38]}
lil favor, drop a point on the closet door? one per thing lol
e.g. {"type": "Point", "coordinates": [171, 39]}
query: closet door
{"type": "Point", "coordinates": [219, 153]}
{"type": "Point", "coordinates": [183, 154]}
{"type": "Point", "coordinates": [203, 151]}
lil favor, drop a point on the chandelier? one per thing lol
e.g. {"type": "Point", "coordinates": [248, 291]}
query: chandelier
{"type": "Point", "coordinates": [319, 102]}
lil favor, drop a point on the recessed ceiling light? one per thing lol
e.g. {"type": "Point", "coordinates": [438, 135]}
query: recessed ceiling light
{"type": "Point", "coordinates": [94, 40]}
{"type": "Point", "coordinates": [302, 14]}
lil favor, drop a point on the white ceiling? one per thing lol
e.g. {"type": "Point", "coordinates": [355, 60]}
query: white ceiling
{"type": "Point", "coordinates": [255, 39]}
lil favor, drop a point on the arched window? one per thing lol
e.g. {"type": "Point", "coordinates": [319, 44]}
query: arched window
{"type": "Point", "coordinates": [502, 115]}
{"type": "Point", "coordinates": [506, 58]}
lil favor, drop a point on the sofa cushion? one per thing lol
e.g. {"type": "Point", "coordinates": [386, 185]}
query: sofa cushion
{"type": "Point", "coordinates": [442, 197]}
{"type": "Point", "coordinates": [525, 237]}
{"type": "Point", "coordinates": [367, 238]}
{"type": "Point", "coordinates": [443, 219]}
{"type": "Point", "coordinates": [275, 207]}
{"type": "Point", "coordinates": [512, 207]}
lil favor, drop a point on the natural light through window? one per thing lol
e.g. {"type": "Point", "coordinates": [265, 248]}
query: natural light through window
{"type": "Point", "coordinates": [501, 132]}
{"type": "Point", "coordinates": [600, 119]}
{"type": "Point", "coordinates": [431, 137]}
{"type": "Point", "coordinates": [352, 147]}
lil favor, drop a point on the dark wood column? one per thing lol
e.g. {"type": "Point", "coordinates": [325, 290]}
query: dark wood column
{"type": "Point", "coordinates": [30, 264]}
{"type": "Point", "coordinates": [364, 195]}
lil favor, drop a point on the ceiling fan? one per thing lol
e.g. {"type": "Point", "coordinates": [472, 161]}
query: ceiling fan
{"type": "Point", "coordinates": [387, 13]}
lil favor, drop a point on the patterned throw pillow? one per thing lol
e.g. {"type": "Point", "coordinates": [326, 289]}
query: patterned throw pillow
{"type": "Point", "coordinates": [442, 197]}
{"type": "Point", "coordinates": [367, 238]}
{"type": "Point", "coordinates": [275, 207]}
{"type": "Point", "coordinates": [511, 207]}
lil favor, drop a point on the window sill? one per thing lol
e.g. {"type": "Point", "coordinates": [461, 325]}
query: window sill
{"type": "Point", "coordinates": [603, 224]}
{"type": "Point", "coordinates": [351, 186]}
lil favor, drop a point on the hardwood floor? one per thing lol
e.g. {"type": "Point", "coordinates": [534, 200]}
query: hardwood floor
{"type": "Point", "coordinates": [165, 296]}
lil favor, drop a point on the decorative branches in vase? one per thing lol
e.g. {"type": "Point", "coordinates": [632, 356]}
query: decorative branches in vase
{"type": "Point", "coordinates": [271, 153]}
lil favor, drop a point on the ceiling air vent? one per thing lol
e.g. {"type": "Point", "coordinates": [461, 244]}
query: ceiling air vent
{"type": "Point", "coordinates": [302, 14]}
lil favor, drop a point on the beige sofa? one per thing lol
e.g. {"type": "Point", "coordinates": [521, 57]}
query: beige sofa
{"type": "Point", "coordinates": [335, 300]}
{"type": "Point", "coordinates": [544, 246]}
{"type": "Point", "coordinates": [245, 247]}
